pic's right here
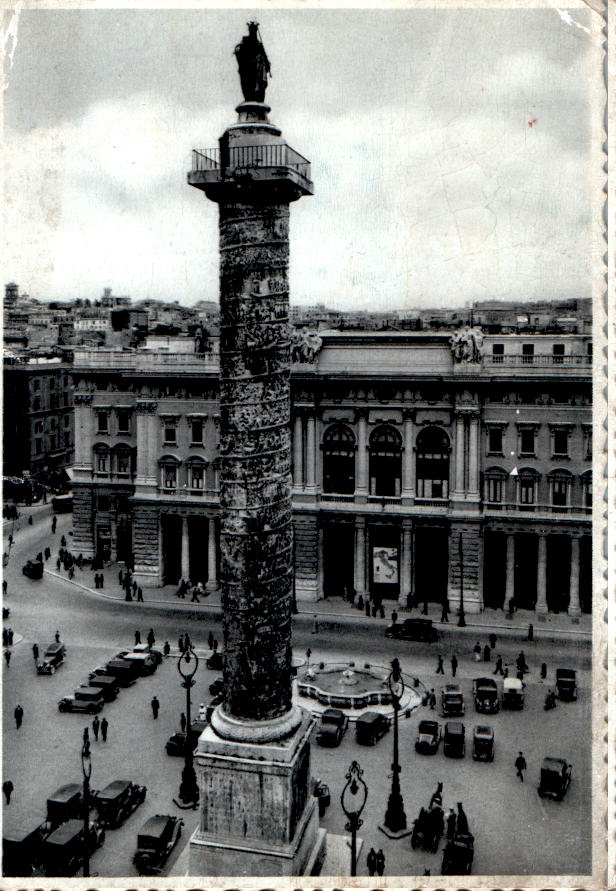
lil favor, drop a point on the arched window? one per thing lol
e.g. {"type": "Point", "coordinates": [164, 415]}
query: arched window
{"type": "Point", "coordinates": [385, 461]}
{"type": "Point", "coordinates": [527, 486]}
{"type": "Point", "coordinates": [432, 463]}
{"type": "Point", "coordinates": [339, 460]}
{"type": "Point", "coordinates": [195, 475]}
{"type": "Point", "coordinates": [495, 486]}
{"type": "Point", "coordinates": [586, 479]}
{"type": "Point", "coordinates": [169, 466]}
{"type": "Point", "coordinates": [101, 458]}
{"type": "Point", "coordinates": [560, 488]}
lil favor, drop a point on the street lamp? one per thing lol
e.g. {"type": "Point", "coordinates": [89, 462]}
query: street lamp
{"type": "Point", "coordinates": [394, 824]}
{"type": "Point", "coordinates": [461, 617]}
{"type": "Point", "coordinates": [86, 769]}
{"type": "Point", "coordinates": [189, 790]}
{"type": "Point", "coordinates": [353, 800]}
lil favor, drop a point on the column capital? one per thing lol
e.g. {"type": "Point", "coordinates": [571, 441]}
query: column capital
{"type": "Point", "coordinates": [146, 407]}
{"type": "Point", "coordinates": [360, 521]}
{"type": "Point", "coordinates": [82, 399]}
{"type": "Point", "coordinates": [407, 524]}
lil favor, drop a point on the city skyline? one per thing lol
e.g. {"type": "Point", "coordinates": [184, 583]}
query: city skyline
{"type": "Point", "coordinates": [462, 210]}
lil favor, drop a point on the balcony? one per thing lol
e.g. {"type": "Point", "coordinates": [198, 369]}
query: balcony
{"type": "Point", "coordinates": [146, 361]}
{"type": "Point", "coordinates": [510, 508]}
{"type": "Point", "coordinates": [245, 165]}
{"type": "Point", "coordinates": [536, 365]}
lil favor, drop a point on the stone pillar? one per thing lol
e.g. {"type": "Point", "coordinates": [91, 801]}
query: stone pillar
{"type": "Point", "coordinates": [406, 562]}
{"type": "Point", "coordinates": [84, 432]}
{"type": "Point", "coordinates": [473, 458]}
{"type": "Point", "coordinates": [510, 570]}
{"type": "Point", "coordinates": [361, 488]}
{"type": "Point", "coordinates": [574, 578]}
{"type": "Point", "coordinates": [311, 450]}
{"type": "Point", "coordinates": [298, 454]}
{"type": "Point", "coordinates": [541, 606]}
{"type": "Point", "coordinates": [408, 458]}
{"type": "Point", "coordinates": [320, 577]}
{"type": "Point", "coordinates": [147, 442]}
{"type": "Point", "coordinates": [212, 575]}
{"type": "Point", "coordinates": [185, 551]}
{"type": "Point", "coordinates": [360, 555]}
{"type": "Point", "coordinates": [459, 468]}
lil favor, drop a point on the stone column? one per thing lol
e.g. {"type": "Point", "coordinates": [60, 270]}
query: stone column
{"type": "Point", "coordinates": [84, 431]}
{"type": "Point", "coordinates": [147, 441]}
{"type": "Point", "coordinates": [185, 552]}
{"type": "Point", "coordinates": [298, 454]}
{"type": "Point", "coordinates": [510, 570]}
{"type": "Point", "coordinates": [406, 562]}
{"type": "Point", "coordinates": [212, 575]}
{"type": "Point", "coordinates": [459, 468]}
{"type": "Point", "coordinates": [311, 453]}
{"type": "Point", "coordinates": [574, 578]}
{"type": "Point", "coordinates": [408, 458]}
{"type": "Point", "coordinates": [473, 458]}
{"type": "Point", "coordinates": [360, 555]}
{"type": "Point", "coordinates": [320, 567]}
{"type": "Point", "coordinates": [541, 606]}
{"type": "Point", "coordinates": [362, 455]}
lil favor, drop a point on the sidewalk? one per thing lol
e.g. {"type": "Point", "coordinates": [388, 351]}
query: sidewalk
{"type": "Point", "coordinates": [336, 608]}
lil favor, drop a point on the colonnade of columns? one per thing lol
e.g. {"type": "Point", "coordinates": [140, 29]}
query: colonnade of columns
{"type": "Point", "coordinates": [362, 563]}
{"type": "Point", "coordinates": [541, 605]}
{"type": "Point", "coordinates": [466, 468]}
{"type": "Point", "coordinates": [305, 452]}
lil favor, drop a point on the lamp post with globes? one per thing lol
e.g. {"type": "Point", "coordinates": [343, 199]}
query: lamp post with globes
{"type": "Point", "coordinates": [86, 769]}
{"type": "Point", "coordinates": [394, 824]}
{"type": "Point", "coordinates": [353, 800]}
{"type": "Point", "coordinates": [189, 788]}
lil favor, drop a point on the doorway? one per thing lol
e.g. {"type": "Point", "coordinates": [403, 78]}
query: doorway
{"type": "Point", "coordinates": [525, 570]}
{"type": "Point", "coordinates": [338, 558]}
{"type": "Point", "coordinates": [431, 564]}
{"type": "Point", "coordinates": [557, 573]}
{"type": "Point", "coordinates": [494, 570]}
{"type": "Point", "coordinates": [197, 549]}
{"type": "Point", "coordinates": [171, 534]}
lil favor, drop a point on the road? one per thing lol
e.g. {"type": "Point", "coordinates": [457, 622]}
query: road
{"type": "Point", "coordinates": [516, 832]}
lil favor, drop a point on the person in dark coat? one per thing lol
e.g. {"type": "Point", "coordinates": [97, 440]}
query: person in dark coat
{"type": "Point", "coordinates": [7, 788]}
{"type": "Point", "coordinates": [492, 639]}
{"type": "Point", "coordinates": [47, 553]}
{"type": "Point", "coordinates": [95, 727]}
{"type": "Point", "coordinates": [440, 669]}
{"type": "Point", "coordinates": [454, 665]}
{"type": "Point", "coordinates": [150, 638]}
{"type": "Point", "coordinates": [63, 541]}
{"type": "Point", "coordinates": [520, 766]}
{"type": "Point", "coordinates": [544, 671]}
{"type": "Point", "coordinates": [139, 595]}
{"type": "Point", "coordinates": [461, 821]}
{"type": "Point", "coordinates": [437, 796]}
{"type": "Point", "coordinates": [182, 722]}
{"type": "Point", "coordinates": [5, 637]}
{"type": "Point", "coordinates": [531, 632]}
{"type": "Point", "coordinates": [499, 665]}
{"type": "Point", "coordinates": [451, 824]}
{"type": "Point", "coordinates": [371, 861]}
{"type": "Point", "coordinates": [210, 640]}
{"type": "Point", "coordinates": [35, 652]}
{"type": "Point", "coordinates": [394, 617]}
{"type": "Point", "coordinates": [487, 653]}
{"type": "Point", "coordinates": [367, 606]}
{"type": "Point", "coordinates": [167, 648]}
{"type": "Point", "coordinates": [58, 564]}
{"type": "Point", "coordinates": [54, 523]}
{"type": "Point", "coordinates": [101, 580]}
{"type": "Point", "coordinates": [155, 707]}
{"type": "Point", "coordinates": [19, 715]}
{"type": "Point", "coordinates": [381, 610]}
{"type": "Point", "coordinates": [445, 611]}
{"type": "Point", "coordinates": [477, 651]}
{"type": "Point", "coordinates": [137, 638]}
{"type": "Point", "coordinates": [30, 520]}
{"type": "Point", "coordinates": [7, 657]}
{"type": "Point", "coordinates": [380, 862]}
{"type": "Point", "coordinates": [104, 729]}
{"type": "Point", "coordinates": [5, 586]}
{"type": "Point", "coordinates": [432, 699]}
{"type": "Point", "coordinates": [10, 634]}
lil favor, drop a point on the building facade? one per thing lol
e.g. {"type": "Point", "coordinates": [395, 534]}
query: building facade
{"type": "Point", "coordinates": [423, 469]}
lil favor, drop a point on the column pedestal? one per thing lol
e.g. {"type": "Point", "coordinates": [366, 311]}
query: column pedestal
{"type": "Point", "coordinates": [258, 814]}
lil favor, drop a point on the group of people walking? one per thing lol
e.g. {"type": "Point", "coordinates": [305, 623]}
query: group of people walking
{"type": "Point", "coordinates": [375, 861]}
{"type": "Point", "coordinates": [195, 589]}
{"type": "Point", "coordinates": [132, 591]}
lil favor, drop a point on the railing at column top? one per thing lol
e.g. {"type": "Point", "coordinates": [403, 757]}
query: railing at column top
{"type": "Point", "coordinates": [245, 157]}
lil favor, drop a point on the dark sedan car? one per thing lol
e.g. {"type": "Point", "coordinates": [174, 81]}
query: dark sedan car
{"type": "Point", "coordinates": [117, 801]}
{"type": "Point", "coordinates": [332, 727]}
{"type": "Point", "coordinates": [428, 737]}
{"type": "Point", "coordinates": [157, 838]}
{"type": "Point", "coordinates": [413, 629]}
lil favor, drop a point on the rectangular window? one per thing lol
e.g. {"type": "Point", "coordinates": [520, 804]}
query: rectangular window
{"type": "Point", "coordinates": [495, 441]}
{"type": "Point", "coordinates": [498, 351]}
{"type": "Point", "coordinates": [52, 383]}
{"type": "Point", "coordinates": [559, 493]}
{"type": "Point", "coordinates": [170, 475]}
{"type": "Point", "coordinates": [196, 477]}
{"type": "Point", "coordinates": [196, 432]}
{"type": "Point", "coordinates": [587, 493]}
{"type": "Point", "coordinates": [495, 489]}
{"type": "Point", "coordinates": [36, 384]}
{"type": "Point", "coordinates": [558, 351]}
{"type": "Point", "coordinates": [527, 490]}
{"type": "Point", "coordinates": [36, 403]}
{"type": "Point", "coordinates": [52, 442]}
{"type": "Point", "coordinates": [527, 442]}
{"type": "Point", "coordinates": [123, 463]}
{"type": "Point", "coordinates": [528, 353]}
{"type": "Point", "coordinates": [53, 400]}
{"type": "Point", "coordinates": [102, 421]}
{"type": "Point", "coordinates": [561, 443]}
{"type": "Point", "coordinates": [101, 462]}
{"type": "Point", "coordinates": [38, 446]}
{"type": "Point", "coordinates": [39, 427]}
{"type": "Point", "coordinates": [123, 420]}
{"type": "Point", "coordinates": [589, 353]}
{"type": "Point", "coordinates": [170, 435]}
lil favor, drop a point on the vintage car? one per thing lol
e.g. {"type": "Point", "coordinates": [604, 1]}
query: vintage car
{"type": "Point", "coordinates": [217, 687]}
{"type": "Point", "coordinates": [452, 701]}
{"type": "Point", "coordinates": [513, 693]}
{"type": "Point", "coordinates": [157, 838]}
{"type": "Point", "coordinates": [117, 801]}
{"type": "Point", "coordinates": [21, 850]}
{"type": "Point", "coordinates": [156, 655]}
{"type": "Point", "coordinates": [428, 737]}
{"type": "Point", "coordinates": [485, 694]}
{"type": "Point", "coordinates": [62, 504]}
{"type": "Point", "coordinates": [125, 673]}
{"type": "Point", "coordinates": [566, 687]}
{"type": "Point", "coordinates": [65, 804]}
{"type": "Point", "coordinates": [332, 727]}
{"type": "Point", "coordinates": [86, 699]}
{"type": "Point", "coordinates": [63, 850]}
{"type": "Point", "coordinates": [33, 569]}
{"type": "Point", "coordinates": [144, 663]}
{"type": "Point", "coordinates": [483, 743]}
{"type": "Point", "coordinates": [176, 744]}
{"type": "Point", "coordinates": [458, 855]}
{"type": "Point", "coordinates": [106, 683]}
{"type": "Point", "coordinates": [454, 745]}
{"type": "Point", "coordinates": [370, 727]}
{"type": "Point", "coordinates": [215, 662]}
{"type": "Point", "coordinates": [53, 658]}
{"type": "Point", "coordinates": [555, 778]}
{"type": "Point", "coordinates": [413, 629]}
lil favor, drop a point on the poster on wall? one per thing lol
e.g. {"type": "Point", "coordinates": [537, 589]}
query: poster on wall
{"type": "Point", "coordinates": [385, 566]}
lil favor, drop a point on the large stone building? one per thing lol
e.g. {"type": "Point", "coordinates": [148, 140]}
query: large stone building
{"type": "Point", "coordinates": [418, 465]}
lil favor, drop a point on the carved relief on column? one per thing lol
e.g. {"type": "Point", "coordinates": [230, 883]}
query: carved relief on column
{"type": "Point", "coordinates": [408, 456]}
{"type": "Point", "coordinates": [541, 606]}
{"type": "Point", "coordinates": [362, 454]}
{"type": "Point", "coordinates": [574, 578]}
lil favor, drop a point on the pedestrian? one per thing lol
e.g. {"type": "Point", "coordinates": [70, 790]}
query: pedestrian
{"type": "Point", "coordinates": [451, 824]}
{"type": "Point", "coordinates": [394, 617]}
{"type": "Point", "coordinates": [210, 640]}
{"type": "Point", "coordinates": [367, 606]}
{"type": "Point", "coordinates": [7, 657]}
{"type": "Point", "coordinates": [187, 642]}
{"type": "Point", "coordinates": [531, 632]}
{"type": "Point", "coordinates": [137, 638]}
{"type": "Point", "coordinates": [63, 540]}
{"type": "Point", "coordinates": [432, 699]}
{"type": "Point", "coordinates": [104, 728]}
{"type": "Point", "coordinates": [492, 639]}
{"type": "Point", "coordinates": [7, 788]}
{"type": "Point", "coordinates": [477, 652]}
{"type": "Point", "coordinates": [155, 707]}
{"type": "Point", "coordinates": [167, 648]}
{"type": "Point", "coordinates": [315, 625]}
{"type": "Point", "coordinates": [544, 671]}
{"type": "Point", "coordinates": [381, 610]}
{"type": "Point", "coordinates": [371, 861]}
{"type": "Point", "coordinates": [30, 520]}
{"type": "Point", "coordinates": [445, 611]}
{"type": "Point", "coordinates": [440, 669]}
{"type": "Point", "coordinates": [505, 671]}
{"type": "Point", "coordinates": [47, 554]}
{"type": "Point", "coordinates": [10, 635]}
{"type": "Point", "coordinates": [181, 644]}
{"type": "Point", "coordinates": [215, 645]}
{"type": "Point", "coordinates": [360, 603]}
{"type": "Point", "coordinates": [520, 766]}
{"type": "Point", "coordinates": [380, 862]}
{"type": "Point", "coordinates": [95, 727]}
{"type": "Point", "coordinates": [57, 636]}
{"type": "Point", "coordinates": [511, 606]}
{"type": "Point", "coordinates": [437, 797]}
{"type": "Point", "coordinates": [134, 587]}
{"type": "Point", "coordinates": [35, 652]}
{"type": "Point", "coordinates": [127, 595]}
{"type": "Point", "coordinates": [487, 653]}
{"type": "Point", "coordinates": [54, 523]}
{"type": "Point", "coordinates": [101, 580]}
{"type": "Point", "coordinates": [150, 638]}
{"type": "Point", "coordinates": [461, 821]}
{"type": "Point", "coordinates": [71, 572]}
{"type": "Point", "coordinates": [308, 654]}
{"type": "Point", "coordinates": [454, 665]}
{"type": "Point", "coordinates": [5, 586]}
{"type": "Point", "coordinates": [79, 561]}
{"type": "Point", "coordinates": [202, 715]}
{"type": "Point", "coordinates": [183, 722]}
{"type": "Point", "coordinates": [19, 715]}
{"type": "Point", "coordinates": [195, 595]}
{"type": "Point", "coordinates": [499, 665]}
{"type": "Point", "coordinates": [120, 576]}
{"type": "Point", "coordinates": [39, 556]}
{"type": "Point", "coordinates": [139, 595]}
{"type": "Point", "coordinates": [58, 564]}
{"type": "Point", "coordinates": [5, 637]}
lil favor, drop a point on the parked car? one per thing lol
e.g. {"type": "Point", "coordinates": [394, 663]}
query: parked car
{"type": "Point", "coordinates": [63, 850]}
{"type": "Point", "coordinates": [91, 703]}
{"type": "Point", "coordinates": [33, 569]}
{"type": "Point", "coordinates": [144, 662]}
{"type": "Point", "coordinates": [458, 856]}
{"type": "Point", "coordinates": [157, 838]}
{"type": "Point", "coordinates": [513, 693]}
{"type": "Point", "coordinates": [125, 673]}
{"type": "Point", "coordinates": [566, 687]}
{"type": "Point", "coordinates": [485, 694]}
{"type": "Point", "coordinates": [370, 727]}
{"type": "Point", "coordinates": [53, 658]}
{"type": "Point", "coordinates": [454, 744]}
{"type": "Point", "coordinates": [332, 727]}
{"type": "Point", "coordinates": [413, 629]}
{"type": "Point", "coordinates": [65, 804]}
{"type": "Point", "coordinates": [62, 504]}
{"type": "Point", "coordinates": [428, 737]}
{"type": "Point", "coordinates": [156, 655]}
{"type": "Point", "coordinates": [107, 684]}
{"type": "Point", "coordinates": [555, 778]}
{"type": "Point", "coordinates": [215, 662]}
{"type": "Point", "coordinates": [483, 743]}
{"type": "Point", "coordinates": [452, 700]}
{"type": "Point", "coordinates": [117, 801]}
{"type": "Point", "coordinates": [21, 850]}
{"type": "Point", "coordinates": [176, 744]}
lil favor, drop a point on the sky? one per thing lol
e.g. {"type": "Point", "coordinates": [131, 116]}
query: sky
{"type": "Point", "coordinates": [450, 150]}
